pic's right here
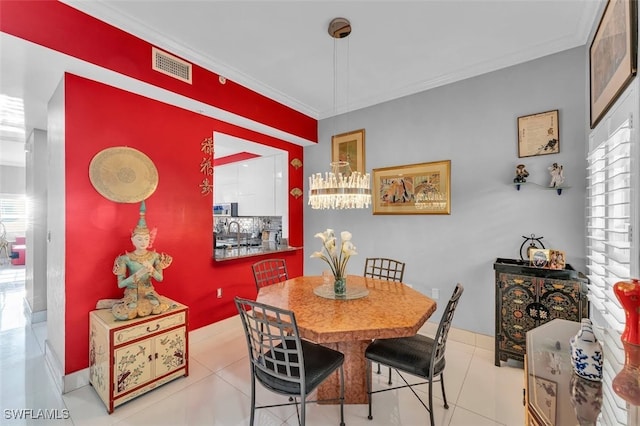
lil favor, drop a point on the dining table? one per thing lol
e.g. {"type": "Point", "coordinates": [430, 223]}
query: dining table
{"type": "Point", "coordinates": [373, 309]}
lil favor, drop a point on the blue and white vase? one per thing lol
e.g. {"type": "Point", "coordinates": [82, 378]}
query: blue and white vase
{"type": "Point", "coordinates": [586, 352]}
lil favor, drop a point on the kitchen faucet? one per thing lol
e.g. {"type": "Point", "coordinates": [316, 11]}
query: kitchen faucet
{"type": "Point", "coordinates": [237, 232]}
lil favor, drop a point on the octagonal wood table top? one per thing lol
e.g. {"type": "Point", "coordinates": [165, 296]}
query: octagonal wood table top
{"type": "Point", "coordinates": [391, 309]}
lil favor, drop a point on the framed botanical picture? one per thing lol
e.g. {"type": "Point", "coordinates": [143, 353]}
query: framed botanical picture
{"type": "Point", "coordinates": [612, 56]}
{"type": "Point", "coordinates": [349, 147]}
{"type": "Point", "coordinates": [538, 134]}
{"type": "Point", "coordinates": [423, 188]}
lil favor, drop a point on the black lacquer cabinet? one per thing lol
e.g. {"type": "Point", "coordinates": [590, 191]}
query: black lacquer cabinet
{"type": "Point", "coordinates": [527, 297]}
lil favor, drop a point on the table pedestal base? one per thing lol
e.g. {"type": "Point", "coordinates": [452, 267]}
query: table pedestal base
{"type": "Point", "coordinates": [355, 371]}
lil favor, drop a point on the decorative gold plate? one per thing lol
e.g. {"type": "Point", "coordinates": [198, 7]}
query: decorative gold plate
{"type": "Point", "coordinates": [123, 175]}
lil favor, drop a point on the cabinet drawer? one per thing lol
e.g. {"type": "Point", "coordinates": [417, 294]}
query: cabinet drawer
{"type": "Point", "coordinates": [135, 332]}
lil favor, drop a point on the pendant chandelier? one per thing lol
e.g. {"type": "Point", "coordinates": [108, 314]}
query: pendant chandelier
{"type": "Point", "coordinates": [341, 188]}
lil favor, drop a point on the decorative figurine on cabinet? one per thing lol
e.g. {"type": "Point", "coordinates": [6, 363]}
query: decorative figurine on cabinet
{"type": "Point", "coordinates": [521, 174]}
{"type": "Point", "coordinates": [134, 271]}
{"type": "Point", "coordinates": [557, 175]}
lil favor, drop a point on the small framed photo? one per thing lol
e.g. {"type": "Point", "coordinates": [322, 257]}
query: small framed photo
{"type": "Point", "coordinates": [557, 259]}
{"type": "Point", "coordinates": [538, 134]}
{"type": "Point", "coordinates": [539, 258]}
{"type": "Point", "coordinates": [349, 147]}
{"type": "Point", "coordinates": [423, 188]}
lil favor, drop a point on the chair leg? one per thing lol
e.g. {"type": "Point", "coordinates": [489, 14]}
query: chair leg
{"type": "Point", "coordinates": [379, 371]}
{"type": "Point", "coordinates": [444, 395]}
{"type": "Point", "coordinates": [341, 396]}
{"type": "Point", "coordinates": [369, 379]}
{"type": "Point", "coordinates": [253, 399]}
{"type": "Point", "coordinates": [431, 402]}
{"type": "Point", "coordinates": [390, 376]}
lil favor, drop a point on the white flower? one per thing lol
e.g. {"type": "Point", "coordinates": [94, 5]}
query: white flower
{"type": "Point", "coordinates": [337, 260]}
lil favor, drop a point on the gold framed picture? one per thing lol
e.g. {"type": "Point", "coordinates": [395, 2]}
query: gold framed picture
{"type": "Point", "coordinates": [538, 134]}
{"type": "Point", "coordinates": [612, 56]}
{"type": "Point", "coordinates": [349, 147]}
{"type": "Point", "coordinates": [423, 188]}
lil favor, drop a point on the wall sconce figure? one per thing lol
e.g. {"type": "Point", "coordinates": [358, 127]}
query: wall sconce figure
{"type": "Point", "coordinates": [557, 176]}
{"type": "Point", "coordinates": [521, 174]}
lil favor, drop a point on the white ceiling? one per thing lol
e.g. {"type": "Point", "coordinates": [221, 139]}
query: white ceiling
{"type": "Point", "coordinates": [282, 49]}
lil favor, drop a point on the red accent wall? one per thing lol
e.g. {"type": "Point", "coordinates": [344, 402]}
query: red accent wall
{"type": "Point", "coordinates": [62, 28]}
{"type": "Point", "coordinates": [241, 156]}
{"type": "Point", "coordinates": [98, 116]}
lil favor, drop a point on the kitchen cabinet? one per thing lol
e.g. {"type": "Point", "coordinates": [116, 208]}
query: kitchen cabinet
{"type": "Point", "coordinates": [130, 358]}
{"type": "Point", "coordinates": [256, 187]}
{"type": "Point", "coordinates": [259, 185]}
{"type": "Point", "coordinates": [527, 297]}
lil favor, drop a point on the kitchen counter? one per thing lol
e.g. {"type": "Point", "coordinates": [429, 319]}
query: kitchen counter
{"type": "Point", "coordinates": [231, 253]}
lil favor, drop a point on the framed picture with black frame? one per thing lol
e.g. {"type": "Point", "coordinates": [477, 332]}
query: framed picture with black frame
{"type": "Point", "coordinates": [612, 56]}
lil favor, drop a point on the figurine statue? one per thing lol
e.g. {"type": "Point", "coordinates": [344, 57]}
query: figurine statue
{"type": "Point", "coordinates": [135, 270]}
{"type": "Point", "coordinates": [521, 174]}
{"type": "Point", "coordinates": [557, 176]}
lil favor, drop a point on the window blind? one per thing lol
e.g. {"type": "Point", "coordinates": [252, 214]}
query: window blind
{"type": "Point", "coordinates": [609, 246]}
{"type": "Point", "coordinates": [13, 215]}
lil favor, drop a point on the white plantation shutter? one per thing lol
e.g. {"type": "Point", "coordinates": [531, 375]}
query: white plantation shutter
{"type": "Point", "coordinates": [611, 253]}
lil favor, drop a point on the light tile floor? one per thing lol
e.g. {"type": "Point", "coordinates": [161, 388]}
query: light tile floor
{"type": "Point", "coordinates": [217, 390]}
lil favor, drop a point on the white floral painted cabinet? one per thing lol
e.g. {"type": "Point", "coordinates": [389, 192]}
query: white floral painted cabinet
{"type": "Point", "coordinates": [130, 358]}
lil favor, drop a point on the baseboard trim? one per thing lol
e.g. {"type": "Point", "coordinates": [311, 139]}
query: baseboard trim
{"type": "Point", "coordinates": [64, 383]}
{"type": "Point", "coordinates": [54, 366]}
{"type": "Point", "coordinates": [33, 317]}
{"type": "Point", "coordinates": [76, 380]}
{"type": "Point", "coordinates": [481, 341]}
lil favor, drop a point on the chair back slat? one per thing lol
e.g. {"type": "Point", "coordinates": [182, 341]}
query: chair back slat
{"type": "Point", "coordinates": [384, 269]}
{"type": "Point", "coordinates": [445, 324]}
{"type": "Point", "coordinates": [269, 271]}
{"type": "Point", "coordinates": [273, 340]}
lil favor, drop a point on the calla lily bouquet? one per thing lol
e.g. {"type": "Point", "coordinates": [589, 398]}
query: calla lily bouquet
{"type": "Point", "coordinates": [337, 259]}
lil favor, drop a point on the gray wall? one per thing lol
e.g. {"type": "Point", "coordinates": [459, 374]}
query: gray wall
{"type": "Point", "coordinates": [473, 123]}
{"type": "Point", "coordinates": [12, 180]}
{"type": "Point", "coordinates": [36, 255]}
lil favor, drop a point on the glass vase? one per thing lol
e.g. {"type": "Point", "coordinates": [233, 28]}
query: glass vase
{"type": "Point", "coordinates": [340, 286]}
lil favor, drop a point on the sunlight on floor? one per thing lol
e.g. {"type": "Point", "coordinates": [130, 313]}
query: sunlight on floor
{"type": "Point", "coordinates": [11, 297]}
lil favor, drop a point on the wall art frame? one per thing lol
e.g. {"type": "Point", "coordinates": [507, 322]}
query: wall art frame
{"type": "Point", "coordinates": [546, 398]}
{"type": "Point", "coordinates": [423, 188]}
{"type": "Point", "coordinates": [612, 56]}
{"type": "Point", "coordinates": [349, 147]}
{"type": "Point", "coordinates": [539, 134]}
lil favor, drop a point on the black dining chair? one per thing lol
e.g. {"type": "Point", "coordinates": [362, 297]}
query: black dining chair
{"type": "Point", "coordinates": [269, 271]}
{"type": "Point", "coordinates": [384, 269]}
{"type": "Point", "coordinates": [282, 361]}
{"type": "Point", "coordinates": [417, 355]}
